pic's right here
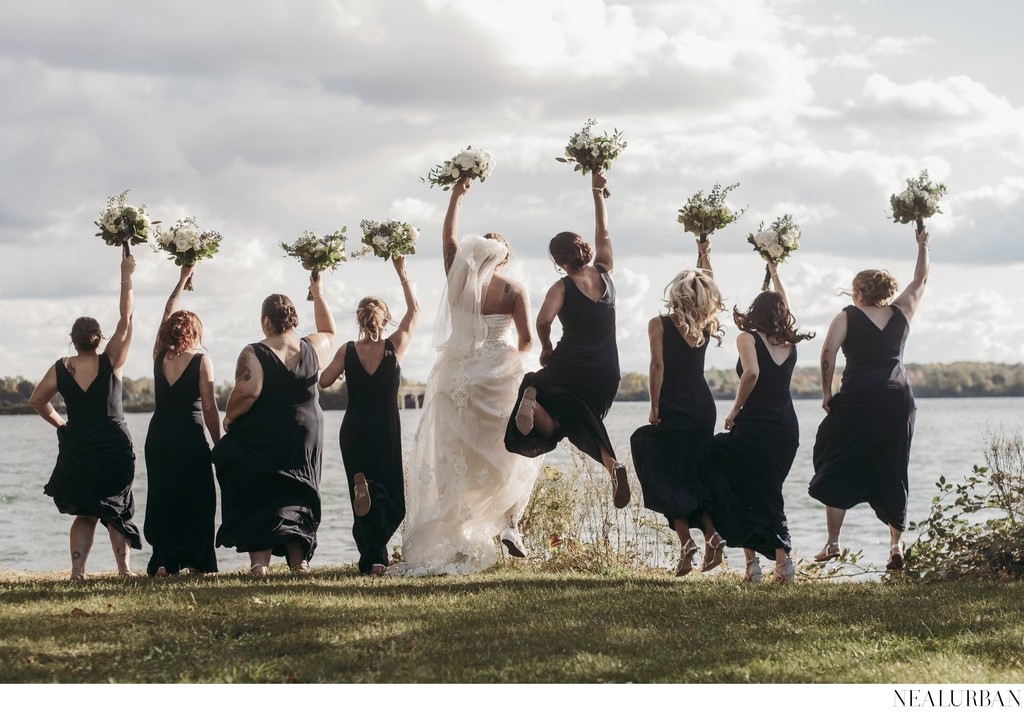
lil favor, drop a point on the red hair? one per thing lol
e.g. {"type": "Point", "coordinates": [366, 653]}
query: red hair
{"type": "Point", "coordinates": [181, 331]}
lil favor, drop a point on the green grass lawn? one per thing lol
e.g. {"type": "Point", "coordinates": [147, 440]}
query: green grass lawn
{"type": "Point", "coordinates": [506, 625]}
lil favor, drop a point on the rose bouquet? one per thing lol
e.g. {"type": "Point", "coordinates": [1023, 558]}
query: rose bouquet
{"type": "Point", "coordinates": [471, 163]}
{"type": "Point", "coordinates": [702, 215]}
{"type": "Point", "coordinates": [775, 244]}
{"type": "Point", "coordinates": [186, 244]}
{"type": "Point", "coordinates": [920, 200]}
{"type": "Point", "coordinates": [592, 153]}
{"type": "Point", "coordinates": [387, 239]}
{"type": "Point", "coordinates": [123, 225]}
{"type": "Point", "coordinates": [318, 254]}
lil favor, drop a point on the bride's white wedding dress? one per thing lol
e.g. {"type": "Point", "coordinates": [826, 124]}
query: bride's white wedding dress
{"type": "Point", "coordinates": [463, 486]}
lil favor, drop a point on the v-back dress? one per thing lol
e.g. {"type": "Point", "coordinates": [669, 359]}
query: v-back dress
{"type": "Point", "coordinates": [95, 459]}
{"type": "Point", "coordinates": [580, 380]}
{"type": "Point", "coordinates": [862, 449]}
{"type": "Point", "coordinates": [671, 457]}
{"type": "Point", "coordinates": [371, 443]}
{"type": "Point", "coordinates": [268, 462]}
{"type": "Point", "coordinates": [182, 501]}
{"type": "Point", "coordinates": [752, 460]}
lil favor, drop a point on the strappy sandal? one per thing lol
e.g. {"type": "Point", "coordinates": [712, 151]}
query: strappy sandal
{"type": "Point", "coordinates": [686, 555]}
{"type": "Point", "coordinates": [77, 576]}
{"type": "Point", "coordinates": [527, 407]}
{"type": "Point", "coordinates": [831, 551]}
{"type": "Point", "coordinates": [620, 486]}
{"type": "Point", "coordinates": [258, 570]}
{"type": "Point", "coordinates": [786, 574]}
{"type": "Point", "coordinates": [127, 573]}
{"type": "Point", "coordinates": [361, 498]}
{"type": "Point", "coordinates": [302, 568]}
{"type": "Point", "coordinates": [896, 561]}
{"type": "Point", "coordinates": [753, 574]}
{"type": "Point", "coordinates": [717, 551]}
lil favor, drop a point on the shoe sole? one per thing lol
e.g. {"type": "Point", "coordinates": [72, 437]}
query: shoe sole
{"type": "Point", "coordinates": [522, 419]}
{"type": "Point", "coordinates": [620, 488]}
{"type": "Point", "coordinates": [513, 550]}
{"type": "Point", "coordinates": [361, 500]}
{"type": "Point", "coordinates": [686, 565]}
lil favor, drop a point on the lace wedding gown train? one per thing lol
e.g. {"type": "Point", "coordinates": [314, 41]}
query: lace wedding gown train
{"type": "Point", "coordinates": [463, 486]}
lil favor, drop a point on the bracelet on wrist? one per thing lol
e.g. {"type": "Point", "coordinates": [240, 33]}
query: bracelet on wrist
{"type": "Point", "coordinates": [125, 281]}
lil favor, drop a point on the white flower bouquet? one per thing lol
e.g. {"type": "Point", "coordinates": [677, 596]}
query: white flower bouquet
{"type": "Point", "coordinates": [387, 239]}
{"type": "Point", "coordinates": [776, 243]}
{"type": "Point", "coordinates": [593, 153]}
{"type": "Point", "coordinates": [920, 200]}
{"type": "Point", "coordinates": [471, 163]}
{"type": "Point", "coordinates": [702, 215]}
{"type": "Point", "coordinates": [186, 244]}
{"type": "Point", "coordinates": [123, 225]}
{"type": "Point", "coordinates": [318, 253]}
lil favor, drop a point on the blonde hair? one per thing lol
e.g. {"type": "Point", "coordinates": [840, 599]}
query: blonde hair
{"type": "Point", "coordinates": [497, 237]}
{"type": "Point", "coordinates": [875, 286]}
{"type": "Point", "coordinates": [693, 303]}
{"type": "Point", "coordinates": [372, 316]}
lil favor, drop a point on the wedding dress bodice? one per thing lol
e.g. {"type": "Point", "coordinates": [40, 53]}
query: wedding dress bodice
{"type": "Point", "coordinates": [497, 331]}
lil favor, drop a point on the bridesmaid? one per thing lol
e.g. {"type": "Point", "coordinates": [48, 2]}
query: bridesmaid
{"type": "Point", "coordinates": [92, 479]}
{"type": "Point", "coordinates": [268, 462]}
{"type": "Point", "coordinates": [862, 448]}
{"type": "Point", "coordinates": [181, 502]}
{"type": "Point", "coordinates": [671, 453]}
{"type": "Point", "coordinates": [371, 432]}
{"type": "Point", "coordinates": [752, 460]}
{"type": "Point", "coordinates": [572, 393]}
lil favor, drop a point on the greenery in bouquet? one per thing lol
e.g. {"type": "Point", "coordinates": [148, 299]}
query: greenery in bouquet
{"type": "Point", "coordinates": [703, 214]}
{"type": "Point", "coordinates": [318, 253]}
{"type": "Point", "coordinates": [593, 153]}
{"type": "Point", "coordinates": [123, 225]}
{"type": "Point", "coordinates": [470, 163]}
{"type": "Point", "coordinates": [776, 243]}
{"type": "Point", "coordinates": [387, 239]}
{"type": "Point", "coordinates": [186, 244]}
{"type": "Point", "coordinates": [918, 201]}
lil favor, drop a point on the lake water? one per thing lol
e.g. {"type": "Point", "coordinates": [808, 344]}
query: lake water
{"type": "Point", "coordinates": [34, 536]}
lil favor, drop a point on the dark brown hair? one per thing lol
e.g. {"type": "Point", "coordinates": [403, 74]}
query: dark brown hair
{"type": "Point", "coordinates": [568, 249]}
{"type": "Point", "coordinates": [281, 312]}
{"type": "Point", "coordinates": [372, 315]}
{"type": "Point", "coordinates": [876, 286]}
{"type": "Point", "coordinates": [86, 334]}
{"type": "Point", "coordinates": [769, 315]}
{"type": "Point", "coordinates": [181, 331]}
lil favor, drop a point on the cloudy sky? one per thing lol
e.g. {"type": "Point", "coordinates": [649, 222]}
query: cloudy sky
{"type": "Point", "coordinates": [263, 119]}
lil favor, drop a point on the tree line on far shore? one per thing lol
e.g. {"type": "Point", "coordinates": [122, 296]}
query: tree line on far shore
{"type": "Point", "coordinates": [962, 379]}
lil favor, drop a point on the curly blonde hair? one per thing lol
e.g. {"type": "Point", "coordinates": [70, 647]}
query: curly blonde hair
{"type": "Point", "coordinates": [693, 303]}
{"type": "Point", "coordinates": [372, 316]}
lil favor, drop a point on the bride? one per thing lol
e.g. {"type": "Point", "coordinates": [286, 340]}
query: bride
{"type": "Point", "coordinates": [464, 487]}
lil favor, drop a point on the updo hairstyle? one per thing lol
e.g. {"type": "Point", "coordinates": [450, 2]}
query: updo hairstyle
{"type": "Point", "coordinates": [182, 331]}
{"type": "Point", "coordinates": [281, 312]}
{"type": "Point", "coordinates": [372, 316]}
{"type": "Point", "coordinates": [500, 239]}
{"type": "Point", "coordinates": [693, 303]}
{"type": "Point", "coordinates": [568, 249]}
{"type": "Point", "coordinates": [876, 286]}
{"type": "Point", "coordinates": [86, 334]}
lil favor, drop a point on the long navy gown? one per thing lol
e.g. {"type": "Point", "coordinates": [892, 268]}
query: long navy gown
{"type": "Point", "coordinates": [95, 459]}
{"type": "Point", "coordinates": [182, 501]}
{"type": "Point", "coordinates": [268, 462]}
{"type": "Point", "coordinates": [862, 449]}
{"type": "Point", "coordinates": [581, 378]}
{"type": "Point", "coordinates": [751, 461]}
{"type": "Point", "coordinates": [371, 443]}
{"type": "Point", "coordinates": [671, 457]}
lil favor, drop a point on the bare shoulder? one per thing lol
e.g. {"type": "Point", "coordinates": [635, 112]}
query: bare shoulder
{"type": "Point", "coordinates": [745, 338]}
{"type": "Point", "coordinates": [655, 325]}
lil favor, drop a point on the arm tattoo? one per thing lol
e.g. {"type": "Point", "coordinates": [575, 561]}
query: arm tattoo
{"type": "Point", "coordinates": [242, 370]}
{"type": "Point", "coordinates": [75, 555]}
{"type": "Point", "coordinates": [508, 296]}
{"type": "Point", "coordinates": [449, 256]}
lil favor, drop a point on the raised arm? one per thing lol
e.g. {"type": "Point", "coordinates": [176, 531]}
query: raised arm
{"type": "Point", "coordinates": [172, 304]}
{"type": "Point", "coordinates": [248, 386]}
{"type": "Point", "coordinates": [450, 231]}
{"type": "Point", "coordinates": [773, 270]}
{"type": "Point", "coordinates": [117, 347]}
{"type": "Point", "coordinates": [748, 361]}
{"type": "Point", "coordinates": [909, 300]}
{"type": "Point", "coordinates": [704, 254]}
{"type": "Point", "coordinates": [546, 317]}
{"type": "Point", "coordinates": [602, 240]}
{"type": "Point", "coordinates": [656, 334]}
{"type": "Point", "coordinates": [520, 303]}
{"type": "Point", "coordinates": [829, 350]}
{"type": "Point", "coordinates": [403, 335]}
{"type": "Point", "coordinates": [40, 399]}
{"type": "Point", "coordinates": [323, 340]}
{"type": "Point", "coordinates": [208, 398]}
{"type": "Point", "coordinates": [332, 372]}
